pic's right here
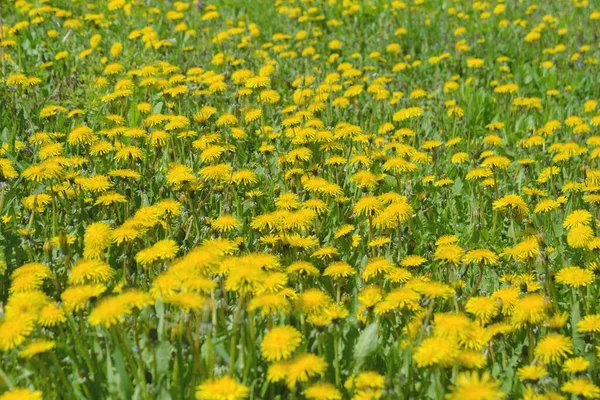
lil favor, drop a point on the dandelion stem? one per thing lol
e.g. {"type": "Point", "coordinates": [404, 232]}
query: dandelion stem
{"type": "Point", "coordinates": [233, 345]}
{"type": "Point", "coordinates": [336, 357]}
{"type": "Point", "coordinates": [474, 290]}
{"type": "Point", "coordinates": [530, 349]}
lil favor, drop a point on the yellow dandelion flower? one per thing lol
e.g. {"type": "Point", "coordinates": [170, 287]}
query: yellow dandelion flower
{"type": "Point", "coordinates": [161, 250]}
{"type": "Point", "coordinates": [225, 388]}
{"type": "Point", "coordinates": [553, 347]}
{"type": "Point", "coordinates": [280, 343]}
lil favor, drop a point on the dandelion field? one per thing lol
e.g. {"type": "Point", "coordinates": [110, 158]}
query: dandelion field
{"type": "Point", "coordinates": [299, 199]}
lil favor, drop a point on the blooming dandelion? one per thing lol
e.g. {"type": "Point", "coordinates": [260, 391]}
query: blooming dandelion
{"type": "Point", "coordinates": [280, 343]}
{"type": "Point", "coordinates": [162, 250]}
{"type": "Point", "coordinates": [581, 387]}
{"type": "Point", "coordinates": [553, 347]}
{"type": "Point", "coordinates": [254, 205]}
{"type": "Point", "coordinates": [225, 388]}
{"type": "Point", "coordinates": [470, 385]}
{"type": "Point", "coordinates": [574, 276]}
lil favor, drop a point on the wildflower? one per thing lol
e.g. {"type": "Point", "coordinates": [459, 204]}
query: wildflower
{"type": "Point", "coordinates": [530, 309]}
{"type": "Point", "coordinates": [436, 351]}
{"type": "Point", "coordinates": [29, 277]}
{"type": "Point", "coordinates": [21, 394]}
{"type": "Point", "coordinates": [46, 170]}
{"type": "Point", "coordinates": [507, 297]}
{"type": "Point", "coordinates": [90, 271]}
{"type": "Point", "coordinates": [325, 253]}
{"type": "Point", "coordinates": [512, 202]}
{"type": "Point", "coordinates": [75, 298]}
{"type": "Point", "coordinates": [225, 223]}
{"type": "Point", "coordinates": [51, 315]}
{"type": "Point", "coordinates": [472, 359]}
{"type": "Point", "coordinates": [243, 277]}
{"type": "Point", "coordinates": [434, 289]}
{"type": "Point", "coordinates": [545, 206]}
{"type": "Point", "coordinates": [304, 366]}
{"type": "Point", "coordinates": [553, 347]}
{"type": "Point", "coordinates": [393, 215]}
{"type": "Point", "coordinates": [581, 387]}
{"type": "Point", "coordinates": [574, 276]}
{"type": "Point", "coordinates": [270, 303]}
{"type": "Point", "coordinates": [451, 324]}
{"type": "Point", "coordinates": [14, 331]}
{"type": "Point", "coordinates": [496, 162]}
{"type": "Point", "coordinates": [399, 166]}
{"type": "Point", "coordinates": [370, 296]}
{"type": "Point", "coordinates": [225, 388]}
{"type": "Point", "coordinates": [322, 391]}
{"type": "Point", "coordinates": [368, 205]}
{"type": "Point", "coordinates": [450, 253]}
{"type": "Point", "coordinates": [81, 135]}
{"type": "Point", "coordinates": [525, 250]}
{"type": "Point", "coordinates": [97, 238]}
{"type": "Point", "coordinates": [376, 267]}
{"type": "Point", "coordinates": [575, 365]}
{"type": "Point", "coordinates": [412, 261]}
{"type": "Point", "coordinates": [473, 386]}
{"type": "Point", "coordinates": [407, 113]}
{"type": "Point", "coordinates": [589, 324]}
{"type": "Point", "coordinates": [485, 308]}
{"type": "Point", "coordinates": [558, 320]}
{"type": "Point", "coordinates": [339, 270]}
{"type": "Point", "coordinates": [186, 301]}
{"type": "Point", "coordinates": [481, 256]}
{"type": "Point", "coordinates": [478, 173]}
{"type": "Point", "coordinates": [533, 372]}
{"type": "Point", "coordinates": [244, 176]}
{"type": "Point", "coordinates": [110, 198]}
{"type": "Point", "coordinates": [398, 299]}
{"type": "Point", "coordinates": [161, 250]}
{"type": "Point", "coordinates": [313, 301]}
{"type": "Point", "coordinates": [302, 267]}
{"type": "Point", "coordinates": [577, 218]}
{"type": "Point", "coordinates": [369, 380]}
{"type": "Point", "coordinates": [579, 236]}
{"type": "Point", "coordinates": [280, 343]}
{"type": "Point", "coordinates": [398, 275]}
{"type": "Point", "coordinates": [109, 311]}
{"type": "Point", "coordinates": [37, 347]}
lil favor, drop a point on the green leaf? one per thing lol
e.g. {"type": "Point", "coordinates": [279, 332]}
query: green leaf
{"type": "Point", "coordinates": [457, 189]}
{"type": "Point", "coordinates": [157, 108]}
{"type": "Point", "coordinates": [575, 317]}
{"type": "Point", "coordinates": [125, 385]}
{"type": "Point", "coordinates": [163, 356]}
{"type": "Point", "coordinates": [366, 344]}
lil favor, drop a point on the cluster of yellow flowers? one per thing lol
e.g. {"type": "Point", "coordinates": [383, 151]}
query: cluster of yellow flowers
{"type": "Point", "coordinates": [299, 198]}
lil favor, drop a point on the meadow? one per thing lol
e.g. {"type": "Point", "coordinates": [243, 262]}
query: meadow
{"type": "Point", "coordinates": [299, 199]}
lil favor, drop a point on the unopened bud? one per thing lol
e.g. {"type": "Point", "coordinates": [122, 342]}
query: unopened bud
{"type": "Point", "coordinates": [63, 242]}
{"type": "Point", "coordinates": [47, 247]}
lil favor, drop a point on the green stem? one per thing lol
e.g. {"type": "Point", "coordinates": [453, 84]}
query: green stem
{"type": "Point", "coordinates": [233, 345]}
{"type": "Point", "coordinates": [336, 357]}
{"type": "Point", "coordinates": [595, 365]}
{"type": "Point", "coordinates": [530, 352]}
